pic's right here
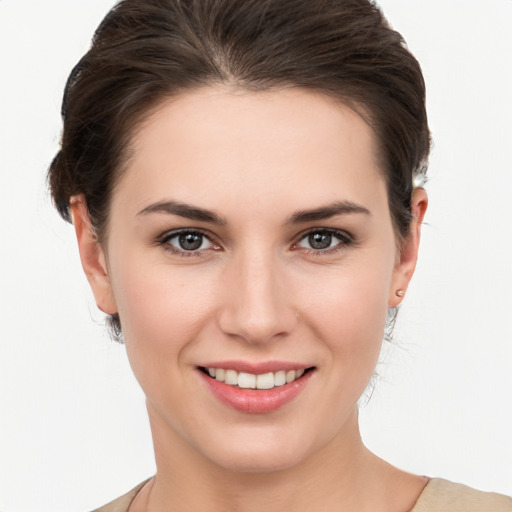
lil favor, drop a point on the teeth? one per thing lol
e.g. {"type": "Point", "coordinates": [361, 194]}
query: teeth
{"type": "Point", "coordinates": [231, 377]}
{"type": "Point", "coordinates": [290, 376]}
{"type": "Point", "coordinates": [265, 381]}
{"type": "Point", "coordinates": [246, 380]}
{"type": "Point", "coordinates": [279, 378]}
{"type": "Point", "coordinates": [250, 381]}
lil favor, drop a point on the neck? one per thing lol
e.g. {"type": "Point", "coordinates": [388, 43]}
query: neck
{"type": "Point", "coordinates": [343, 475]}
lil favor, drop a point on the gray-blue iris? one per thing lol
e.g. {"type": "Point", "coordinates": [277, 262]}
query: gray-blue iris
{"type": "Point", "coordinates": [320, 240]}
{"type": "Point", "coordinates": [190, 241]}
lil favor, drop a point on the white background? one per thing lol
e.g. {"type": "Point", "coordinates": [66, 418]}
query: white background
{"type": "Point", "coordinates": [73, 428]}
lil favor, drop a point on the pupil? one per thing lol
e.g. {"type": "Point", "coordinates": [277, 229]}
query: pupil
{"type": "Point", "coordinates": [190, 241]}
{"type": "Point", "coordinates": [320, 240]}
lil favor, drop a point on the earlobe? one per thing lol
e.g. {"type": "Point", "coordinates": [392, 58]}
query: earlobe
{"type": "Point", "coordinates": [406, 263]}
{"type": "Point", "coordinates": [92, 256]}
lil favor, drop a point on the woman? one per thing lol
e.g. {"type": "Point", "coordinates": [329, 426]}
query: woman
{"type": "Point", "coordinates": [240, 178]}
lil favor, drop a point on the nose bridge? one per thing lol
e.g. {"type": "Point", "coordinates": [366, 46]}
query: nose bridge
{"type": "Point", "coordinates": [256, 306]}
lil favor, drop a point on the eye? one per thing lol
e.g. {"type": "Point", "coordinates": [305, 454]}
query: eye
{"type": "Point", "coordinates": [183, 242]}
{"type": "Point", "coordinates": [324, 240]}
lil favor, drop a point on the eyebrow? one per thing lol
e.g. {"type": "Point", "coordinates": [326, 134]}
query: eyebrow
{"type": "Point", "coordinates": [184, 210]}
{"type": "Point", "coordinates": [202, 215]}
{"type": "Point", "coordinates": [328, 211]}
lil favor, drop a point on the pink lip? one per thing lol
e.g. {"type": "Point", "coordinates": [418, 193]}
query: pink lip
{"type": "Point", "coordinates": [256, 368]}
{"type": "Point", "coordinates": [255, 401]}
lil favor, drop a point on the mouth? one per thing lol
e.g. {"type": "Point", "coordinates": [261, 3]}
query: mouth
{"type": "Point", "coordinates": [260, 392]}
{"type": "Point", "coordinates": [262, 381]}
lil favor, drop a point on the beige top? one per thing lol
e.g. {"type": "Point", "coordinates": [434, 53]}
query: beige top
{"type": "Point", "coordinates": [438, 496]}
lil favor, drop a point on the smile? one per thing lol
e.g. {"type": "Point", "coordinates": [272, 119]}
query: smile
{"type": "Point", "coordinates": [245, 380]}
{"type": "Point", "coordinates": [255, 388]}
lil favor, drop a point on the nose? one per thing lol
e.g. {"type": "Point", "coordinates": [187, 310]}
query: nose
{"type": "Point", "coordinates": [258, 305]}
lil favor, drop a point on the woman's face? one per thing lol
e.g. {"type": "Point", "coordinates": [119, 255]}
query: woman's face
{"type": "Point", "coordinates": [251, 233]}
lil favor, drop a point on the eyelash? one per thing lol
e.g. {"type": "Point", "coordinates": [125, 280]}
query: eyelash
{"type": "Point", "coordinates": [344, 238]}
{"type": "Point", "coordinates": [170, 235]}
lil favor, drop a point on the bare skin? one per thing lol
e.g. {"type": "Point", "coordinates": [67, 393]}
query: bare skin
{"type": "Point", "coordinates": [270, 173]}
{"type": "Point", "coordinates": [361, 482]}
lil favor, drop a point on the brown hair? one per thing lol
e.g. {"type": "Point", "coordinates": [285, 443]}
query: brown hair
{"type": "Point", "coordinates": [143, 52]}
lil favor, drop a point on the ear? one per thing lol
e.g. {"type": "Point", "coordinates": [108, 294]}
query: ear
{"type": "Point", "coordinates": [406, 261]}
{"type": "Point", "coordinates": [92, 256]}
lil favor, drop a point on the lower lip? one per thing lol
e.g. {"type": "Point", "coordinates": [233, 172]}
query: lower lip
{"type": "Point", "coordinates": [256, 401]}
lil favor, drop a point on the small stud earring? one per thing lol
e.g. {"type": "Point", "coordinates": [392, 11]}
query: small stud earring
{"type": "Point", "coordinates": [400, 293]}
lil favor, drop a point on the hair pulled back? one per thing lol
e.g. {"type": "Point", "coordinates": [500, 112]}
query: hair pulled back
{"type": "Point", "coordinates": [144, 52]}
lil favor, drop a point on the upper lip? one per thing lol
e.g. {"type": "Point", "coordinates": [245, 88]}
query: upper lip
{"type": "Point", "coordinates": [256, 368]}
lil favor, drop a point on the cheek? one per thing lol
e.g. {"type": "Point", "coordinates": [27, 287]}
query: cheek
{"type": "Point", "coordinates": [162, 309]}
{"type": "Point", "coordinates": [348, 311]}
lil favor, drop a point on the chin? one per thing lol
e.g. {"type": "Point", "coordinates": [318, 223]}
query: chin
{"type": "Point", "coordinates": [260, 454]}
{"type": "Point", "coordinates": [258, 462]}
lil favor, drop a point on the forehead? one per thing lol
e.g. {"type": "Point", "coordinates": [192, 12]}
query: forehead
{"type": "Point", "coordinates": [215, 144]}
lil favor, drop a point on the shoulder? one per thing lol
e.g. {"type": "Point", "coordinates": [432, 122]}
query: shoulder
{"type": "Point", "coordinates": [441, 496]}
{"type": "Point", "coordinates": [438, 496]}
{"type": "Point", "coordinates": [122, 504]}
